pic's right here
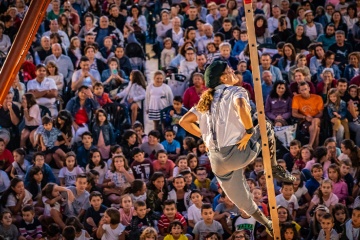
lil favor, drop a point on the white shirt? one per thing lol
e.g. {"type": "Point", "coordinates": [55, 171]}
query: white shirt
{"type": "Point", "coordinates": [228, 127]}
{"type": "Point", "coordinates": [194, 213]}
{"type": "Point", "coordinates": [46, 84]}
{"type": "Point", "coordinates": [291, 204]}
{"type": "Point", "coordinates": [177, 36]}
{"type": "Point", "coordinates": [311, 32]}
{"type": "Point", "coordinates": [112, 234]}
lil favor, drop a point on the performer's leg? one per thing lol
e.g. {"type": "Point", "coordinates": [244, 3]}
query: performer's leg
{"type": "Point", "coordinates": [235, 186]}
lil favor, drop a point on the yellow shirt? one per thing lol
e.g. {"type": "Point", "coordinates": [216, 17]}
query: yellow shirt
{"type": "Point", "coordinates": [170, 237]}
{"type": "Point", "coordinates": [205, 184]}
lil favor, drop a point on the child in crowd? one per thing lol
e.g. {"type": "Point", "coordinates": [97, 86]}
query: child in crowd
{"type": "Point", "coordinates": [32, 117]}
{"type": "Point", "coordinates": [288, 231]}
{"type": "Point", "coordinates": [258, 199]}
{"type": "Point", "coordinates": [243, 223]}
{"type": "Point", "coordinates": [30, 227]}
{"type": "Point", "coordinates": [293, 154]}
{"type": "Point", "coordinates": [203, 184]}
{"type": "Point", "coordinates": [96, 162]}
{"type": "Point", "coordinates": [7, 229]}
{"type": "Point", "coordinates": [20, 164]}
{"type": "Point", "coordinates": [36, 182]}
{"type": "Point", "coordinates": [188, 179]}
{"type": "Point", "coordinates": [149, 233]}
{"type": "Point", "coordinates": [345, 166]}
{"type": "Point", "coordinates": [316, 177]}
{"type": "Point", "coordinates": [167, 54]}
{"type": "Point", "coordinates": [288, 199]}
{"type": "Point", "coordinates": [94, 213]}
{"type": "Point", "coordinates": [171, 145]}
{"type": "Point", "coordinates": [340, 215]}
{"type": "Point", "coordinates": [127, 210]}
{"type": "Point", "coordinates": [68, 173]}
{"type": "Point", "coordinates": [306, 154]}
{"type": "Point", "coordinates": [144, 218]}
{"type": "Point", "coordinates": [164, 165]}
{"type": "Point", "coordinates": [180, 194]}
{"type": "Point", "coordinates": [39, 161]}
{"type": "Point", "coordinates": [208, 224]}
{"type": "Point", "coordinates": [137, 190]}
{"type": "Point", "coordinates": [181, 165]}
{"type": "Point", "coordinates": [337, 110]}
{"type": "Point", "coordinates": [301, 193]}
{"type": "Point", "coordinates": [315, 222]}
{"type": "Point", "coordinates": [110, 226]}
{"type": "Point", "coordinates": [194, 211]}
{"type": "Point", "coordinates": [192, 162]}
{"type": "Point", "coordinates": [327, 231]}
{"type": "Point", "coordinates": [142, 167]}
{"type": "Point", "coordinates": [139, 129]}
{"type": "Point", "coordinates": [158, 97]}
{"type": "Point", "coordinates": [213, 52]}
{"type": "Point", "coordinates": [352, 227]}
{"type": "Point", "coordinates": [157, 192]}
{"type": "Point", "coordinates": [6, 158]}
{"type": "Point", "coordinates": [258, 167]}
{"type": "Point", "coordinates": [99, 95]}
{"type": "Point", "coordinates": [176, 231]}
{"type": "Point", "coordinates": [340, 189]}
{"type": "Point", "coordinates": [324, 196]}
{"type": "Point", "coordinates": [48, 136]}
{"type": "Point", "coordinates": [170, 214]}
{"type": "Point", "coordinates": [83, 151]}
{"type": "Point", "coordinates": [189, 145]}
{"type": "Point", "coordinates": [152, 146]}
{"type": "Point", "coordinates": [202, 155]}
{"type": "Point", "coordinates": [103, 133]}
{"type": "Point", "coordinates": [80, 232]}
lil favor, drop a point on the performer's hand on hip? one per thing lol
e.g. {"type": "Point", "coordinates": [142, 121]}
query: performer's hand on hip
{"type": "Point", "coordinates": [244, 141]}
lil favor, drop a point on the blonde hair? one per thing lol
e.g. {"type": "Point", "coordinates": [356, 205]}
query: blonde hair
{"type": "Point", "coordinates": [205, 100]}
{"type": "Point", "coordinates": [149, 232]}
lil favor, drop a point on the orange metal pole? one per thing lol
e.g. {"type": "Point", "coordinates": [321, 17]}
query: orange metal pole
{"type": "Point", "coordinates": [21, 45]}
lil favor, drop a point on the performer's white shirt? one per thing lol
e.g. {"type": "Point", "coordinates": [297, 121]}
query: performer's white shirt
{"type": "Point", "coordinates": [228, 125]}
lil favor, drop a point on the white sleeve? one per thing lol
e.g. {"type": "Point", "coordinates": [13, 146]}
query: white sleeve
{"type": "Point", "coordinates": [61, 172]}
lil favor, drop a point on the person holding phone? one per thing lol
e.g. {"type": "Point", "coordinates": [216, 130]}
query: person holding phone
{"type": "Point", "coordinates": [114, 76]}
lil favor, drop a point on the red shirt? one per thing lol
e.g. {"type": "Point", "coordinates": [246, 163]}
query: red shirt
{"type": "Point", "coordinates": [6, 159]}
{"type": "Point", "coordinates": [191, 97]}
{"type": "Point", "coordinates": [164, 222]}
{"type": "Point", "coordinates": [104, 99]}
{"type": "Point", "coordinates": [81, 117]}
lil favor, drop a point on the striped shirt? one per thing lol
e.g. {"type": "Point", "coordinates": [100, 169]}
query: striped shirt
{"type": "Point", "coordinates": [164, 221]}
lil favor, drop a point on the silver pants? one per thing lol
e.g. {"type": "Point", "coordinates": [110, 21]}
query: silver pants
{"type": "Point", "coordinates": [228, 165]}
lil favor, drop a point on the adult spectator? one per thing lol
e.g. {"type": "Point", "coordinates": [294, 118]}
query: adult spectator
{"type": "Point", "coordinates": [352, 68]}
{"type": "Point", "coordinates": [300, 62]}
{"type": "Point", "coordinates": [300, 19]}
{"type": "Point", "coordinates": [288, 60]}
{"type": "Point", "coordinates": [64, 25]}
{"type": "Point", "coordinates": [225, 55]}
{"type": "Point", "coordinates": [9, 119]}
{"type": "Point", "coordinates": [163, 26]}
{"type": "Point", "coordinates": [54, 28]}
{"type": "Point", "coordinates": [265, 61]}
{"type": "Point", "coordinates": [188, 65]}
{"type": "Point", "coordinates": [84, 76]}
{"type": "Point", "coordinates": [62, 61]}
{"type": "Point", "coordinates": [204, 40]}
{"type": "Point", "coordinates": [81, 108]}
{"type": "Point", "coordinates": [176, 33]}
{"type": "Point", "coordinates": [338, 22]}
{"type": "Point", "coordinates": [261, 30]}
{"type": "Point", "coordinates": [192, 94]}
{"type": "Point", "coordinates": [43, 51]}
{"type": "Point", "coordinates": [113, 77]}
{"type": "Point", "coordinates": [9, 28]}
{"type": "Point", "coordinates": [189, 36]}
{"type": "Point", "coordinates": [192, 18]}
{"type": "Point", "coordinates": [213, 13]}
{"type": "Point", "coordinates": [278, 103]}
{"type": "Point", "coordinates": [89, 26]}
{"type": "Point", "coordinates": [328, 82]}
{"type": "Point", "coordinates": [95, 8]}
{"type": "Point", "coordinates": [202, 11]}
{"type": "Point", "coordinates": [218, 39]}
{"type": "Point", "coordinates": [116, 19]}
{"type": "Point", "coordinates": [300, 75]}
{"type": "Point", "coordinates": [309, 109]}
{"type": "Point", "coordinates": [224, 13]}
{"type": "Point", "coordinates": [73, 16]}
{"type": "Point", "coordinates": [52, 71]}
{"type": "Point", "coordinates": [328, 62]}
{"type": "Point", "coordinates": [267, 84]}
{"type": "Point", "coordinates": [5, 42]}
{"type": "Point", "coordinates": [287, 11]}
{"type": "Point", "coordinates": [282, 33]}
{"type": "Point", "coordinates": [351, 17]}
{"type": "Point", "coordinates": [341, 49]}
{"type": "Point", "coordinates": [104, 30]}
{"type": "Point", "coordinates": [44, 89]}
{"type": "Point", "coordinates": [246, 74]}
{"type": "Point", "coordinates": [328, 38]}
{"type": "Point", "coordinates": [200, 67]}
{"type": "Point", "coordinates": [95, 63]}
{"type": "Point", "coordinates": [299, 40]}
{"type": "Point", "coordinates": [312, 29]}
{"type": "Point", "coordinates": [316, 60]}
{"type": "Point", "coordinates": [56, 11]}
{"type": "Point", "coordinates": [273, 22]}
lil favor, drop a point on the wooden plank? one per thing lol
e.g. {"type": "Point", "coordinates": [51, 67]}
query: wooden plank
{"type": "Point", "coordinates": [21, 45]}
{"type": "Point", "coordinates": [261, 116]}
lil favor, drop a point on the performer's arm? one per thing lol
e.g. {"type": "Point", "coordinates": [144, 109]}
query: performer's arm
{"type": "Point", "coordinates": [243, 109]}
{"type": "Point", "coordinates": [188, 122]}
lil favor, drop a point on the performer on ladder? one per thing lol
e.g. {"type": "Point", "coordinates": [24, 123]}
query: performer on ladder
{"type": "Point", "coordinates": [226, 127]}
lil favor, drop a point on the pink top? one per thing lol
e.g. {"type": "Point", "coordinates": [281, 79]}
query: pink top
{"type": "Point", "coordinates": [340, 189]}
{"type": "Point", "coordinates": [191, 98]}
{"type": "Point", "coordinates": [125, 218]}
{"type": "Point", "coordinates": [167, 169]}
{"type": "Point", "coordinates": [333, 199]}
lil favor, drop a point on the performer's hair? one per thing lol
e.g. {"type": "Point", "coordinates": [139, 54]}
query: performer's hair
{"type": "Point", "coordinates": [205, 100]}
{"type": "Point", "coordinates": [206, 206]}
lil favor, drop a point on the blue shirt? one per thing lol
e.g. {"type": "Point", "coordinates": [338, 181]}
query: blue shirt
{"type": "Point", "coordinates": [266, 89]}
{"type": "Point", "coordinates": [312, 185]}
{"type": "Point", "coordinates": [171, 147]}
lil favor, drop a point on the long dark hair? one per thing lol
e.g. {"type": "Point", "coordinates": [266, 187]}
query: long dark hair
{"type": "Point", "coordinates": [136, 186]}
{"type": "Point", "coordinates": [273, 93]}
{"type": "Point", "coordinates": [328, 54]}
{"type": "Point", "coordinates": [9, 190]}
{"type": "Point", "coordinates": [354, 155]}
{"type": "Point", "coordinates": [138, 78]}
{"type": "Point", "coordinates": [292, 57]}
{"type": "Point", "coordinates": [101, 110]}
{"type": "Point", "coordinates": [127, 134]}
{"type": "Point", "coordinates": [286, 226]}
{"type": "Point", "coordinates": [30, 100]}
{"type": "Point", "coordinates": [91, 163]}
{"type": "Point", "coordinates": [153, 178]}
{"type": "Point", "coordinates": [65, 115]}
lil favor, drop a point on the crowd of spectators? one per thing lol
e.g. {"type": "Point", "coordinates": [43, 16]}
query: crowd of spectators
{"type": "Point", "coordinates": [76, 162]}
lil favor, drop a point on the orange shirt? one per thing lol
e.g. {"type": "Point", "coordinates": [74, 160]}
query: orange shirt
{"type": "Point", "coordinates": [310, 106]}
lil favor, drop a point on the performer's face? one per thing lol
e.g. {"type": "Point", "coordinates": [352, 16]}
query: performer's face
{"type": "Point", "coordinates": [229, 77]}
